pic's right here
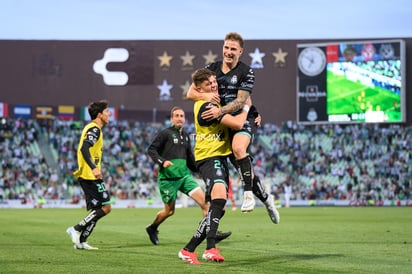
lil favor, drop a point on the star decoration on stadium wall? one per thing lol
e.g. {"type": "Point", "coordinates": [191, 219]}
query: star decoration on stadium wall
{"type": "Point", "coordinates": [187, 59]}
{"type": "Point", "coordinates": [210, 57]}
{"type": "Point", "coordinates": [165, 59]}
{"type": "Point", "coordinates": [257, 56]}
{"type": "Point", "coordinates": [165, 91]}
{"type": "Point", "coordinates": [280, 57]}
{"type": "Point", "coordinates": [185, 87]}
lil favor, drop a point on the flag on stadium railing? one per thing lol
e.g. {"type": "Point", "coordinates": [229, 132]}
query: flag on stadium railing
{"type": "Point", "coordinates": [22, 111]}
{"type": "Point", "coordinates": [66, 113]}
{"type": "Point", "coordinates": [44, 112]}
{"type": "Point", "coordinates": [115, 114]}
{"type": "Point", "coordinates": [4, 110]}
{"type": "Point", "coordinates": [84, 114]}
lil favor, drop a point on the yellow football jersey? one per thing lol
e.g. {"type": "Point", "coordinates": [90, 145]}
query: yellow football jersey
{"type": "Point", "coordinates": [212, 138]}
{"type": "Point", "coordinates": [91, 133]}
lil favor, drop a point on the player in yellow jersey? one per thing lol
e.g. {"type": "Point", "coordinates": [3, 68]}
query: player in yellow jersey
{"type": "Point", "coordinates": [171, 150]}
{"type": "Point", "coordinates": [212, 148]}
{"type": "Point", "coordinates": [89, 175]}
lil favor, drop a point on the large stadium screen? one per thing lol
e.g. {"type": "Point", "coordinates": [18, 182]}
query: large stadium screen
{"type": "Point", "coordinates": [351, 82]}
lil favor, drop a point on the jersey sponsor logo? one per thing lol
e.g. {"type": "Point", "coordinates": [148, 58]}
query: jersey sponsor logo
{"type": "Point", "coordinates": [210, 137]}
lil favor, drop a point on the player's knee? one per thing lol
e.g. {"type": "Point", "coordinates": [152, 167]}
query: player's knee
{"type": "Point", "coordinates": [205, 207]}
{"type": "Point", "coordinates": [170, 212]}
{"type": "Point", "coordinates": [239, 151]}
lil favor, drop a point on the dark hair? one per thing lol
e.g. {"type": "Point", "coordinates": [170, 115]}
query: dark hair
{"type": "Point", "coordinates": [201, 75]}
{"type": "Point", "coordinates": [95, 108]}
{"type": "Point", "coordinates": [234, 36]}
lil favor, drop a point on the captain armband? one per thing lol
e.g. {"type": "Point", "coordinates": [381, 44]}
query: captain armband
{"type": "Point", "coordinates": [246, 108]}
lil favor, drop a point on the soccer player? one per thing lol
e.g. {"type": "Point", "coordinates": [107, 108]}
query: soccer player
{"type": "Point", "coordinates": [171, 150]}
{"type": "Point", "coordinates": [212, 149]}
{"type": "Point", "coordinates": [236, 81]}
{"type": "Point", "coordinates": [89, 175]}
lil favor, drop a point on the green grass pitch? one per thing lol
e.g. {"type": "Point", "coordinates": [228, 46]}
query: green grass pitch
{"type": "Point", "coordinates": [307, 240]}
{"type": "Point", "coordinates": [347, 97]}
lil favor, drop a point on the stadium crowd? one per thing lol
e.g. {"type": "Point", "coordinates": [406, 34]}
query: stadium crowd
{"type": "Point", "coordinates": [359, 162]}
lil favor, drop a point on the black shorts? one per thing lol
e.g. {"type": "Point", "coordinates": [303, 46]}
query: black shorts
{"type": "Point", "coordinates": [213, 170]}
{"type": "Point", "coordinates": [249, 128]}
{"type": "Point", "coordinates": [95, 192]}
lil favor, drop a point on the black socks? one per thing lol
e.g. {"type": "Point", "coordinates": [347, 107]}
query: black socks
{"type": "Point", "coordinates": [245, 172]}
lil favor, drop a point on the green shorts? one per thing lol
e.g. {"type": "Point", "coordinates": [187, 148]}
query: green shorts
{"type": "Point", "coordinates": [169, 188]}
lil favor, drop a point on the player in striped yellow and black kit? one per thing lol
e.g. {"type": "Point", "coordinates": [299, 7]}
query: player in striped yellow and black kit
{"type": "Point", "coordinates": [89, 175]}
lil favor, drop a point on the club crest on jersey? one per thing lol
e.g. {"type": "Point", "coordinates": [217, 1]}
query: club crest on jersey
{"type": "Point", "coordinates": [175, 139]}
{"type": "Point", "coordinates": [233, 80]}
